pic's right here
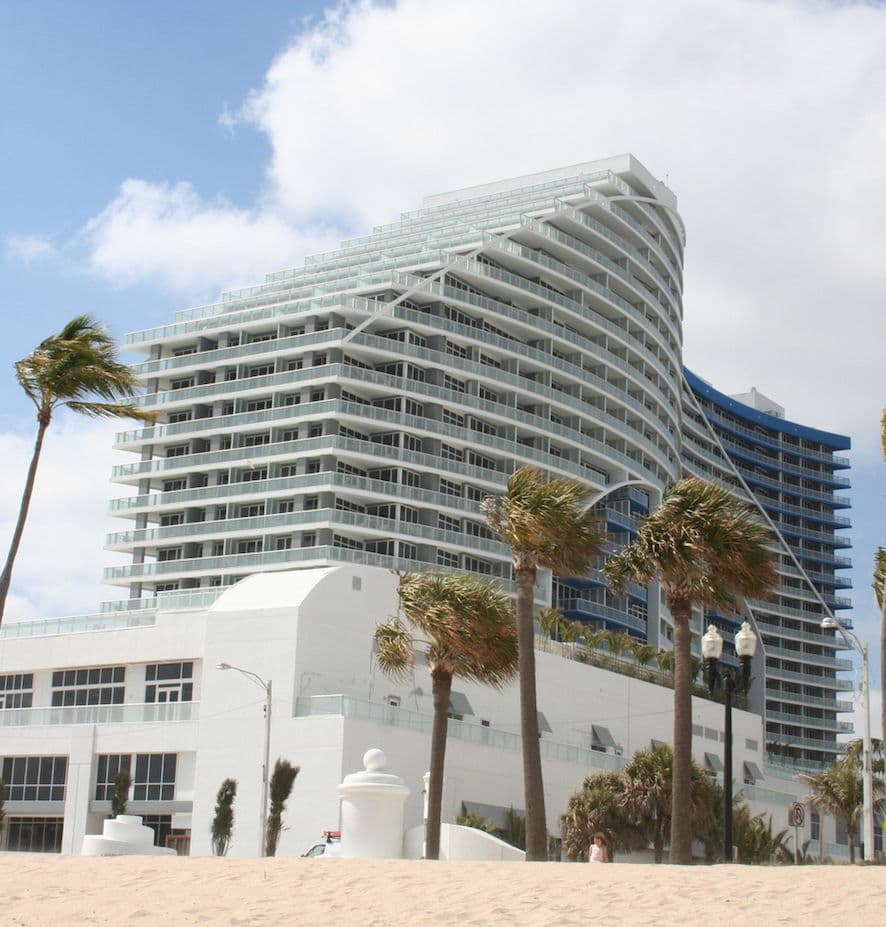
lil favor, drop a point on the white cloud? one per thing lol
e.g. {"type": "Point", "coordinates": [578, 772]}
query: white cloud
{"type": "Point", "coordinates": [27, 249]}
{"type": "Point", "coordinates": [765, 117]}
{"type": "Point", "coordinates": [168, 235]}
{"type": "Point", "coordinates": [59, 565]}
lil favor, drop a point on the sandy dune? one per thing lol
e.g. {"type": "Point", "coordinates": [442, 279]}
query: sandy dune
{"type": "Point", "coordinates": [53, 891]}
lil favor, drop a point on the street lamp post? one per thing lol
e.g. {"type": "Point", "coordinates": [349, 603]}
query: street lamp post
{"type": "Point", "coordinates": [266, 685]}
{"type": "Point", "coordinates": [712, 648]}
{"type": "Point", "coordinates": [831, 624]}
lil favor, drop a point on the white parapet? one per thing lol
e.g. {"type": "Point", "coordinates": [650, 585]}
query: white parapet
{"type": "Point", "coordinates": [372, 811]}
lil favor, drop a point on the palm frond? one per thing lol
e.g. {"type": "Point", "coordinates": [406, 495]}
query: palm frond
{"type": "Point", "coordinates": [545, 523]}
{"type": "Point", "coordinates": [705, 545]}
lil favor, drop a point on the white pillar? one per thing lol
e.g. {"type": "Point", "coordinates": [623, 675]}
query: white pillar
{"type": "Point", "coordinates": [372, 806]}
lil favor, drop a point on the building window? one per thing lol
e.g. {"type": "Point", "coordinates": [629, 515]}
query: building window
{"type": "Point", "coordinates": [252, 476]}
{"type": "Point", "coordinates": [107, 768]}
{"type": "Point", "coordinates": [263, 371]}
{"type": "Point", "coordinates": [154, 778]}
{"type": "Point", "coordinates": [165, 587]}
{"type": "Point", "coordinates": [170, 519]}
{"type": "Point", "coordinates": [318, 395]}
{"type": "Point", "coordinates": [256, 440]}
{"type": "Point", "coordinates": [169, 553]}
{"type": "Point", "coordinates": [315, 430]}
{"type": "Point", "coordinates": [97, 685]}
{"type": "Point", "coordinates": [286, 505]}
{"type": "Point", "coordinates": [258, 405]}
{"type": "Point", "coordinates": [309, 539]}
{"type": "Point", "coordinates": [283, 544]}
{"type": "Point", "coordinates": [289, 469]}
{"type": "Point", "coordinates": [178, 450]}
{"type": "Point", "coordinates": [35, 778]}
{"type": "Point", "coordinates": [449, 488]}
{"type": "Point", "coordinates": [453, 418]}
{"type": "Point", "coordinates": [252, 546]}
{"type": "Point", "coordinates": [448, 452]}
{"type": "Point", "coordinates": [452, 383]}
{"type": "Point", "coordinates": [35, 835]}
{"type": "Point", "coordinates": [409, 514]}
{"type": "Point", "coordinates": [176, 417]}
{"type": "Point", "coordinates": [169, 682]}
{"type": "Point", "coordinates": [339, 540]}
{"type": "Point", "coordinates": [252, 511]}
{"type": "Point", "coordinates": [16, 690]}
{"type": "Point", "coordinates": [182, 384]}
{"type": "Point", "coordinates": [408, 551]}
{"type": "Point", "coordinates": [161, 824]}
{"type": "Point", "coordinates": [173, 485]}
{"type": "Point", "coordinates": [313, 464]}
{"type": "Point", "coordinates": [448, 524]}
{"type": "Point", "coordinates": [447, 559]}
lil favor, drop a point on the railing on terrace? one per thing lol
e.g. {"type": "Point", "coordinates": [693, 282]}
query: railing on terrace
{"type": "Point", "coordinates": [342, 706]}
{"type": "Point", "coordinates": [101, 714]}
{"type": "Point", "coordinates": [41, 627]}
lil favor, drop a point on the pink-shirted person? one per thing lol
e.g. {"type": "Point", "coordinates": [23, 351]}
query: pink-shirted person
{"type": "Point", "coordinates": [599, 853]}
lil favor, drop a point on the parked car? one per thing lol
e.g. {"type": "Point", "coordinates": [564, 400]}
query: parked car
{"type": "Point", "coordinates": [329, 847]}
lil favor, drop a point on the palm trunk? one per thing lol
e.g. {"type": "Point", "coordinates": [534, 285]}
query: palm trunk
{"type": "Point", "coordinates": [851, 844]}
{"type": "Point", "coordinates": [441, 687]}
{"type": "Point", "coordinates": [681, 829]}
{"type": "Point", "coordinates": [533, 785]}
{"type": "Point", "coordinates": [6, 577]}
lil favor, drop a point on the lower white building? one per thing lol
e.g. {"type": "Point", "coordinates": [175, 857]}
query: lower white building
{"type": "Point", "coordinates": [140, 689]}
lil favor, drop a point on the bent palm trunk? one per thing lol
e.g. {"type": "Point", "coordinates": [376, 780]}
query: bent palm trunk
{"type": "Point", "coordinates": [27, 493]}
{"type": "Point", "coordinates": [533, 786]}
{"type": "Point", "coordinates": [681, 800]}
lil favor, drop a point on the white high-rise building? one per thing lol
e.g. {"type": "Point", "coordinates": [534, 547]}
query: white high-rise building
{"type": "Point", "coordinates": [354, 413]}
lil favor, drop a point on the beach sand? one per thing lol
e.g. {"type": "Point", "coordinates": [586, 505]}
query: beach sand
{"type": "Point", "coordinates": [55, 891]}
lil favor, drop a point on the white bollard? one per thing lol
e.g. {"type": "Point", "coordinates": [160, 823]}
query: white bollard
{"type": "Point", "coordinates": [372, 807]}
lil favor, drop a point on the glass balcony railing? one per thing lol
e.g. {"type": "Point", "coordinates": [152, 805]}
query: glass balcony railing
{"type": "Point", "coordinates": [797, 698]}
{"type": "Point", "coordinates": [824, 682]}
{"type": "Point", "coordinates": [43, 627]}
{"type": "Point", "coordinates": [826, 724]}
{"type": "Point", "coordinates": [154, 713]}
{"type": "Point", "coordinates": [341, 706]}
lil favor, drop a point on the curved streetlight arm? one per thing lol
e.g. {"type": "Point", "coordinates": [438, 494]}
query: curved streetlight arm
{"type": "Point", "coordinates": [248, 673]}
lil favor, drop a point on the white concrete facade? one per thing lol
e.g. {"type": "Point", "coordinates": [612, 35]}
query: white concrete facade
{"type": "Point", "coordinates": [310, 632]}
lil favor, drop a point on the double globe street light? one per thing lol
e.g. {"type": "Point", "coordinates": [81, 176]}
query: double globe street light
{"type": "Point", "coordinates": [731, 682]}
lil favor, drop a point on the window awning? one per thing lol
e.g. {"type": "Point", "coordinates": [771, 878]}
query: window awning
{"type": "Point", "coordinates": [600, 736]}
{"type": "Point", "coordinates": [658, 743]}
{"type": "Point", "coordinates": [752, 771]}
{"type": "Point", "coordinates": [543, 723]}
{"type": "Point", "coordinates": [459, 704]}
{"type": "Point", "coordinates": [713, 762]}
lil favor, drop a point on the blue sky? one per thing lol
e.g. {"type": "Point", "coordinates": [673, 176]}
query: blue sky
{"type": "Point", "coordinates": [154, 154]}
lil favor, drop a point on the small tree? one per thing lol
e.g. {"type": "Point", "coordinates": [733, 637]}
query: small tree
{"type": "Point", "coordinates": [223, 822]}
{"type": "Point", "coordinates": [282, 781]}
{"type": "Point", "coordinates": [120, 795]}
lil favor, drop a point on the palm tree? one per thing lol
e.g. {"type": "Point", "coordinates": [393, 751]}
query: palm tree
{"type": "Point", "coordinates": [467, 630]}
{"type": "Point", "coordinates": [549, 620]}
{"type": "Point", "coordinates": [618, 643]}
{"type": "Point", "coordinates": [648, 798]}
{"type": "Point", "coordinates": [545, 525]}
{"type": "Point", "coordinates": [598, 807]}
{"type": "Point", "coordinates": [706, 547]}
{"type": "Point", "coordinates": [78, 369]}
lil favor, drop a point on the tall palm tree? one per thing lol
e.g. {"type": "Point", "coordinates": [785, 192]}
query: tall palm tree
{"type": "Point", "coordinates": [78, 369]}
{"type": "Point", "coordinates": [706, 547]}
{"type": "Point", "coordinates": [545, 525]}
{"type": "Point", "coordinates": [466, 629]}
